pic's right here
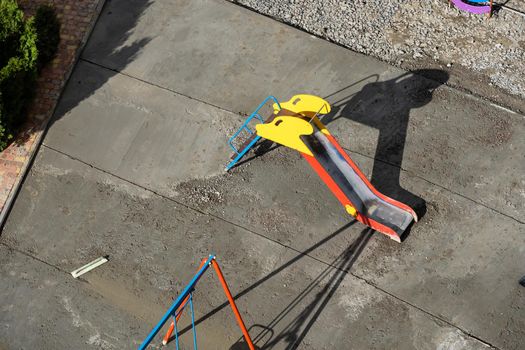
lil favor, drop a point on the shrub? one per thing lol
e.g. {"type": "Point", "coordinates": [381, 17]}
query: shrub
{"type": "Point", "coordinates": [48, 33]}
{"type": "Point", "coordinates": [20, 41]}
{"type": "Point", "coordinates": [11, 23]}
{"type": "Point", "coordinates": [18, 67]}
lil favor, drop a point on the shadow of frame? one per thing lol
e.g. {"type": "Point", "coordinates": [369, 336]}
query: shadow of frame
{"type": "Point", "coordinates": [386, 106]}
{"type": "Point", "coordinates": [331, 277]}
{"type": "Point", "coordinates": [286, 265]}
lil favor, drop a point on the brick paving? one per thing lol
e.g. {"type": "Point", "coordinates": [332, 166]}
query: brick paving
{"type": "Point", "coordinates": [77, 17]}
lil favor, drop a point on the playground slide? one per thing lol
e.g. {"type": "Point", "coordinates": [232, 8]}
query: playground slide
{"type": "Point", "coordinates": [295, 124]}
{"type": "Point", "coordinates": [353, 190]}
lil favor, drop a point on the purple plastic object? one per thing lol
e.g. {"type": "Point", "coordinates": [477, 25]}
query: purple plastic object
{"type": "Point", "coordinates": [471, 8]}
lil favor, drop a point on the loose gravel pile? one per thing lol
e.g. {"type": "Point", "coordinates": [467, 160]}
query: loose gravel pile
{"type": "Point", "coordinates": [411, 32]}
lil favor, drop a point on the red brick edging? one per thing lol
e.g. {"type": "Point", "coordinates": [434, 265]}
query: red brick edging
{"type": "Point", "coordinates": [77, 18]}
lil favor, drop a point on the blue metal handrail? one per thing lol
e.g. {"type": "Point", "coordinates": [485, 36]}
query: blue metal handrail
{"type": "Point", "coordinates": [192, 311]}
{"type": "Point", "coordinates": [244, 126]}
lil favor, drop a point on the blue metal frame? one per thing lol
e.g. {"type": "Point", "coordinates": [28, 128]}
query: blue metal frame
{"type": "Point", "coordinates": [173, 309]}
{"type": "Point", "coordinates": [244, 126]}
{"type": "Point", "coordinates": [193, 322]}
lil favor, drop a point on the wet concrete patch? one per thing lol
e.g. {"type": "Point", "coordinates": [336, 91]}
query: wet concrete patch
{"type": "Point", "coordinates": [43, 308]}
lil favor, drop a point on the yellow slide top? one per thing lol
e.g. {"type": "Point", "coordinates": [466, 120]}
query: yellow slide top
{"type": "Point", "coordinates": [287, 128]}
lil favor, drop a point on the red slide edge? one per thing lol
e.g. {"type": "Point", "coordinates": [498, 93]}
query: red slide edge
{"type": "Point", "coordinates": [343, 199]}
{"type": "Point", "coordinates": [365, 180]}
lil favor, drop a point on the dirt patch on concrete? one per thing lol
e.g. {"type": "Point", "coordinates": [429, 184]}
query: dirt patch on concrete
{"type": "Point", "coordinates": [498, 131]}
{"type": "Point", "coordinates": [201, 192]}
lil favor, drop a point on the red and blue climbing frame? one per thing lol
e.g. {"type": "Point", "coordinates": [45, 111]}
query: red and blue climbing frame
{"type": "Point", "coordinates": [185, 298]}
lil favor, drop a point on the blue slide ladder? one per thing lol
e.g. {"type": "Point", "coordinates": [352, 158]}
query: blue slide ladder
{"type": "Point", "coordinates": [255, 114]}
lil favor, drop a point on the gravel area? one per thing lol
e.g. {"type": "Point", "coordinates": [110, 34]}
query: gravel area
{"type": "Point", "coordinates": [418, 33]}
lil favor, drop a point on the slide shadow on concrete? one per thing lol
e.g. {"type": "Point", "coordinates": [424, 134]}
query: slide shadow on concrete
{"type": "Point", "coordinates": [385, 106]}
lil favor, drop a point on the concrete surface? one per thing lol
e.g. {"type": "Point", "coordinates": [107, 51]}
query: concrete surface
{"type": "Point", "coordinates": [132, 167]}
{"type": "Point", "coordinates": [236, 66]}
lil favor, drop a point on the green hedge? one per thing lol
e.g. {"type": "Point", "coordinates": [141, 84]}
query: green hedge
{"type": "Point", "coordinates": [20, 41]}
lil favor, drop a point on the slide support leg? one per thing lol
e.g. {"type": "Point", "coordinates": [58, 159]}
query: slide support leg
{"type": "Point", "coordinates": [233, 306]}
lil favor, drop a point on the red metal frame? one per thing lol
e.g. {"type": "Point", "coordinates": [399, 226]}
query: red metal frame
{"type": "Point", "coordinates": [229, 296]}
